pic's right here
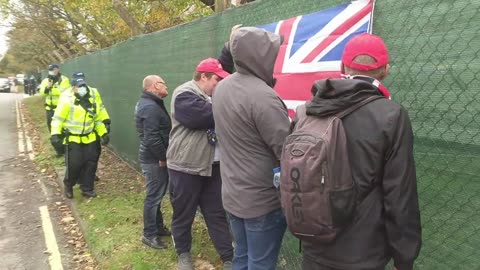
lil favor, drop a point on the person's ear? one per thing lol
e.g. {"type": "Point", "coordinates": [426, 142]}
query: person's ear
{"type": "Point", "coordinates": [385, 72]}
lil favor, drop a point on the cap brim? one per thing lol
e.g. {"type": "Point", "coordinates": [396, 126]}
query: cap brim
{"type": "Point", "coordinates": [222, 74]}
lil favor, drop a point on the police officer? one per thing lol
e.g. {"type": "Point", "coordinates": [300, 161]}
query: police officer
{"type": "Point", "coordinates": [51, 88]}
{"type": "Point", "coordinates": [102, 113]}
{"type": "Point", "coordinates": [77, 117]}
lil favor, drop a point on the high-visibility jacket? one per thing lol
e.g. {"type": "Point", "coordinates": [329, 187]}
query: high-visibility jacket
{"type": "Point", "coordinates": [102, 113]}
{"type": "Point", "coordinates": [51, 98]}
{"type": "Point", "coordinates": [82, 124]}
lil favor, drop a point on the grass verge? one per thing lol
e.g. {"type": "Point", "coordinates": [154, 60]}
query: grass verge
{"type": "Point", "coordinates": [114, 220]}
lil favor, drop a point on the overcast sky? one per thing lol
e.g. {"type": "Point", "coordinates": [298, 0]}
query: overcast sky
{"type": "Point", "coordinates": [3, 38]}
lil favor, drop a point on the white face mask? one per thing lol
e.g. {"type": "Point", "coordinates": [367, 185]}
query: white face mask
{"type": "Point", "coordinates": [51, 73]}
{"type": "Point", "coordinates": [82, 91]}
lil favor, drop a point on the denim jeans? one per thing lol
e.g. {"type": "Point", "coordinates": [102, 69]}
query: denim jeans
{"type": "Point", "coordinates": [156, 181]}
{"type": "Point", "coordinates": [257, 240]}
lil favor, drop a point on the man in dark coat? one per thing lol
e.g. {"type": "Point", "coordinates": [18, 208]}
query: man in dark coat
{"type": "Point", "coordinates": [153, 127]}
{"type": "Point", "coordinates": [380, 149]}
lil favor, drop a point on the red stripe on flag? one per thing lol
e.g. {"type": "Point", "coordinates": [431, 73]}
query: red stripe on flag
{"type": "Point", "coordinates": [297, 86]}
{"type": "Point", "coordinates": [338, 32]}
{"type": "Point", "coordinates": [285, 31]}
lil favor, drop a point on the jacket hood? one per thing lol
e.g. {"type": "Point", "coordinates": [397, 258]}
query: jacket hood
{"type": "Point", "coordinates": [332, 96]}
{"type": "Point", "coordinates": [254, 51]}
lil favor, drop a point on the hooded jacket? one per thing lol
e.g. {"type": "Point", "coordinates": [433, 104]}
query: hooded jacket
{"type": "Point", "coordinates": [380, 148]}
{"type": "Point", "coordinates": [251, 122]}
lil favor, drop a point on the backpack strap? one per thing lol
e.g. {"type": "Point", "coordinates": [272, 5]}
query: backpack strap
{"type": "Point", "coordinates": [357, 106]}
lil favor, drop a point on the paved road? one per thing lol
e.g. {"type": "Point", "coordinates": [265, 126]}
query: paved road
{"type": "Point", "coordinates": [24, 229]}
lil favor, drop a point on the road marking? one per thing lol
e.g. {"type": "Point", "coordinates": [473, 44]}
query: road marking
{"type": "Point", "coordinates": [21, 144]}
{"type": "Point", "coordinates": [22, 135]}
{"type": "Point", "coordinates": [54, 258]}
{"type": "Point", "coordinates": [18, 114]}
{"type": "Point", "coordinates": [29, 149]}
{"type": "Point", "coordinates": [44, 189]}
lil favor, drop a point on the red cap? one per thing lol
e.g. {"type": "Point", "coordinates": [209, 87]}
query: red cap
{"type": "Point", "coordinates": [212, 65]}
{"type": "Point", "coordinates": [365, 44]}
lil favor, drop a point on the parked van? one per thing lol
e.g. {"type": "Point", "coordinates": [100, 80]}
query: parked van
{"type": "Point", "coordinates": [20, 78]}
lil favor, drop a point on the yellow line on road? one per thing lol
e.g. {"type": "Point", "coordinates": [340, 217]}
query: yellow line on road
{"type": "Point", "coordinates": [54, 257]}
{"type": "Point", "coordinates": [21, 144]}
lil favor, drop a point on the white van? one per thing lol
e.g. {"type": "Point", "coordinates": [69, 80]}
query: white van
{"type": "Point", "coordinates": [20, 78]}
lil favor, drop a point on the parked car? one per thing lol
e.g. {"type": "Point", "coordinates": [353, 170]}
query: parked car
{"type": "Point", "coordinates": [4, 85]}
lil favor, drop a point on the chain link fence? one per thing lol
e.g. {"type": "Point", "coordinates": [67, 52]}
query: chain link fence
{"type": "Point", "coordinates": [434, 47]}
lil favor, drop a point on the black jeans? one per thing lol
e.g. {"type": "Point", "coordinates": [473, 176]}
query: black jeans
{"type": "Point", "coordinates": [187, 192]}
{"type": "Point", "coordinates": [156, 182]}
{"type": "Point", "coordinates": [82, 163]}
{"type": "Point", "coordinates": [50, 114]}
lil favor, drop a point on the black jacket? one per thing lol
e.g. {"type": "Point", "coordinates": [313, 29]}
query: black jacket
{"type": "Point", "coordinates": [153, 127]}
{"type": "Point", "coordinates": [380, 148]}
{"type": "Point", "coordinates": [226, 59]}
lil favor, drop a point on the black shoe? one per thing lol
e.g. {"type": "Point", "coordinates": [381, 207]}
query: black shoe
{"type": "Point", "coordinates": [163, 231]}
{"type": "Point", "coordinates": [68, 192]}
{"type": "Point", "coordinates": [153, 242]}
{"type": "Point", "coordinates": [89, 194]}
{"type": "Point", "coordinates": [97, 178]}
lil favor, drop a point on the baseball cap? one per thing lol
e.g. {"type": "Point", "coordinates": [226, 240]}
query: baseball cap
{"type": "Point", "coordinates": [365, 44]}
{"type": "Point", "coordinates": [52, 67]}
{"type": "Point", "coordinates": [212, 65]}
{"type": "Point", "coordinates": [78, 75]}
{"type": "Point", "coordinates": [78, 82]}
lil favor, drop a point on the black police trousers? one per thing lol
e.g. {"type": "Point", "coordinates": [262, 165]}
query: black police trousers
{"type": "Point", "coordinates": [81, 161]}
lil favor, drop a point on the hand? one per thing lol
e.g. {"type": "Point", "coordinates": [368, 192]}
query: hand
{"type": "Point", "coordinates": [56, 140]}
{"type": "Point", "coordinates": [49, 84]}
{"type": "Point", "coordinates": [162, 163]}
{"type": "Point", "coordinates": [395, 268]}
{"type": "Point", "coordinates": [104, 139]}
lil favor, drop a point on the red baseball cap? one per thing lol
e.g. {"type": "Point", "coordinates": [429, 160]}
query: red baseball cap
{"type": "Point", "coordinates": [212, 65]}
{"type": "Point", "coordinates": [365, 44]}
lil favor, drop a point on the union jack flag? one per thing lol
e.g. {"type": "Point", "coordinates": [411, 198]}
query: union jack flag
{"type": "Point", "coordinates": [313, 47]}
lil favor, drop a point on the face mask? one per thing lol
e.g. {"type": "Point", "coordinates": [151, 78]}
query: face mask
{"type": "Point", "coordinates": [82, 91]}
{"type": "Point", "coordinates": [51, 73]}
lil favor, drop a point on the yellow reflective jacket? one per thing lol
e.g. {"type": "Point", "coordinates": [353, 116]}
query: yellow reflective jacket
{"type": "Point", "coordinates": [95, 94]}
{"type": "Point", "coordinates": [51, 98]}
{"type": "Point", "coordinates": [102, 112]}
{"type": "Point", "coordinates": [83, 124]}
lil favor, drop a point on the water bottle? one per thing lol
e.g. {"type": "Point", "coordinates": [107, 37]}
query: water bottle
{"type": "Point", "coordinates": [276, 177]}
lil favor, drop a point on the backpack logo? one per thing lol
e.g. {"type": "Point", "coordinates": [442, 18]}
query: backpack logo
{"type": "Point", "coordinates": [296, 200]}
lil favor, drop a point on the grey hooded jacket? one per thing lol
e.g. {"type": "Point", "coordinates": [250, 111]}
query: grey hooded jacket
{"type": "Point", "coordinates": [252, 123]}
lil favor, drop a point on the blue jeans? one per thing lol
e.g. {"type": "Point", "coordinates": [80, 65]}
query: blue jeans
{"type": "Point", "coordinates": [156, 181]}
{"type": "Point", "coordinates": [257, 240]}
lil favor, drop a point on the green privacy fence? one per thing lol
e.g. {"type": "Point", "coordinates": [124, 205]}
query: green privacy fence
{"type": "Point", "coordinates": [434, 47]}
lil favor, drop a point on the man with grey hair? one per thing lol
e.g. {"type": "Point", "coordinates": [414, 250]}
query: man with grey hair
{"type": "Point", "coordinates": [153, 126]}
